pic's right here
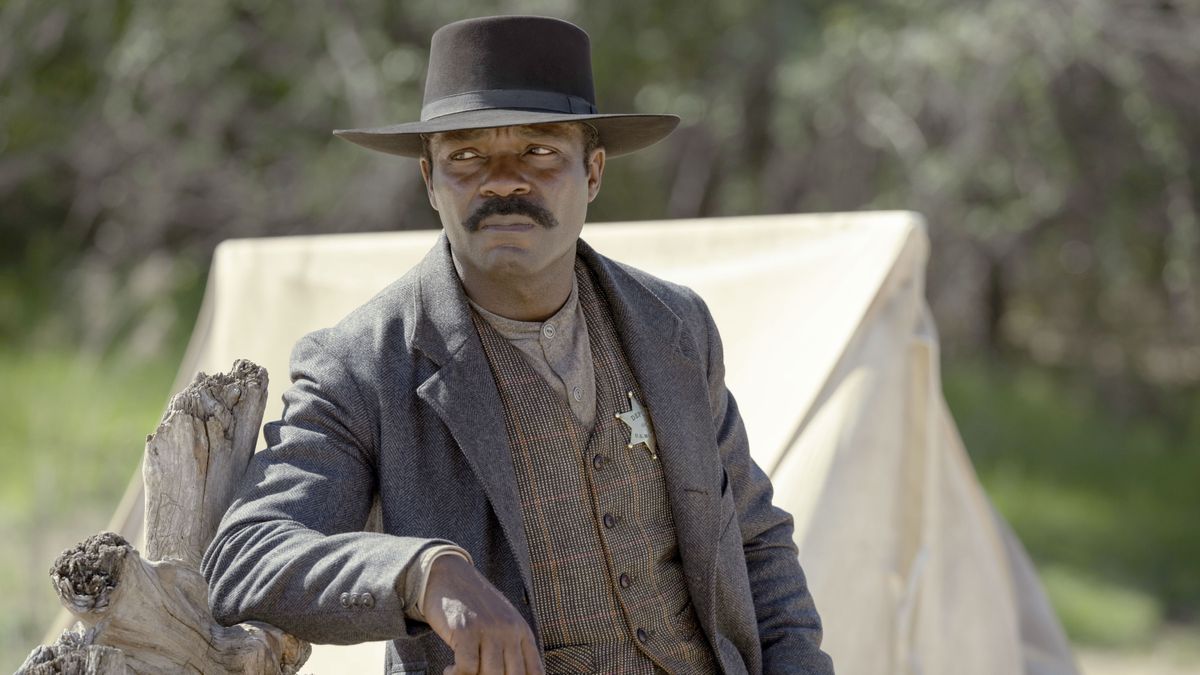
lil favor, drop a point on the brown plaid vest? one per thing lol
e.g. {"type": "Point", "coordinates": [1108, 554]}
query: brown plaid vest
{"type": "Point", "coordinates": [609, 592]}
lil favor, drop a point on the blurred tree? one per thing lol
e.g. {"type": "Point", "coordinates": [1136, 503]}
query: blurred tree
{"type": "Point", "coordinates": [1051, 144]}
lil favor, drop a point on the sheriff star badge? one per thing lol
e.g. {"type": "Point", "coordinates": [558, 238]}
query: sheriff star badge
{"type": "Point", "coordinates": [639, 426]}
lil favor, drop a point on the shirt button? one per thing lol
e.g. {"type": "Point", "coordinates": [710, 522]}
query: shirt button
{"type": "Point", "coordinates": [345, 599]}
{"type": "Point", "coordinates": [598, 461]}
{"type": "Point", "coordinates": [577, 393]}
{"type": "Point", "coordinates": [642, 636]}
{"type": "Point", "coordinates": [626, 582]}
{"type": "Point", "coordinates": [548, 331]}
{"type": "Point", "coordinates": [367, 600]}
{"type": "Point", "coordinates": [610, 521]}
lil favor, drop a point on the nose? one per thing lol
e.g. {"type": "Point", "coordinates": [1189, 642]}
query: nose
{"type": "Point", "coordinates": [504, 178]}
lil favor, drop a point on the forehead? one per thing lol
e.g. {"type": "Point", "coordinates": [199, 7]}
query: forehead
{"type": "Point", "coordinates": [557, 131]}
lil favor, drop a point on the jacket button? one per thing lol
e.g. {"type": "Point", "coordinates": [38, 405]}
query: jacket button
{"type": "Point", "coordinates": [626, 582]}
{"type": "Point", "coordinates": [598, 461]}
{"type": "Point", "coordinates": [642, 636]}
{"type": "Point", "coordinates": [368, 600]}
{"type": "Point", "coordinates": [345, 599]}
{"type": "Point", "coordinates": [610, 521]}
{"type": "Point", "coordinates": [354, 599]}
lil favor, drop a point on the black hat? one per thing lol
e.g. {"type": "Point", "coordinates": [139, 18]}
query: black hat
{"type": "Point", "coordinates": [501, 71]}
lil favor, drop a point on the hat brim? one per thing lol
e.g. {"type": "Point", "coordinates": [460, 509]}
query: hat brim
{"type": "Point", "coordinates": [619, 134]}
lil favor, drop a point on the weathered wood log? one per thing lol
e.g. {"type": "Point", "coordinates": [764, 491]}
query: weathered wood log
{"type": "Point", "coordinates": [157, 614]}
{"type": "Point", "coordinates": [150, 615]}
{"type": "Point", "coordinates": [195, 458]}
{"type": "Point", "coordinates": [74, 654]}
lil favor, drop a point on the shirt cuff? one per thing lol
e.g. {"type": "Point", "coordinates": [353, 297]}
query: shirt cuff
{"type": "Point", "coordinates": [418, 577]}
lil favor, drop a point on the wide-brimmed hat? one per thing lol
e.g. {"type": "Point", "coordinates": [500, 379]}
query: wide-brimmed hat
{"type": "Point", "coordinates": [501, 71]}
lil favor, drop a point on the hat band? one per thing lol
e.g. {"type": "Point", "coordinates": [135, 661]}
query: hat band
{"type": "Point", "coordinates": [507, 98]}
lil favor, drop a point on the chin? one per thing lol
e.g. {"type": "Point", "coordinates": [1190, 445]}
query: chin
{"type": "Point", "coordinates": [512, 261]}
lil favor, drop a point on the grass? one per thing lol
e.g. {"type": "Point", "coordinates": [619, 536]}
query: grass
{"type": "Point", "coordinates": [71, 436]}
{"type": "Point", "coordinates": [1104, 501]}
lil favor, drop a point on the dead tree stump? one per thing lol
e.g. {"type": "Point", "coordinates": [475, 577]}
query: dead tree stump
{"type": "Point", "coordinates": [196, 457]}
{"type": "Point", "coordinates": [74, 654]}
{"type": "Point", "coordinates": [151, 615]}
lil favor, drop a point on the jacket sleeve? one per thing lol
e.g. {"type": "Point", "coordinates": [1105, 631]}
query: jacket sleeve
{"type": "Point", "coordinates": [789, 626]}
{"type": "Point", "coordinates": [290, 550]}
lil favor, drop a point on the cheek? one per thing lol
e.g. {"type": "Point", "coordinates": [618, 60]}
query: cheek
{"type": "Point", "coordinates": [448, 193]}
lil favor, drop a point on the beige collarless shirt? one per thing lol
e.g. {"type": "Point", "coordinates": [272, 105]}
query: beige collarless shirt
{"type": "Point", "coordinates": [558, 349]}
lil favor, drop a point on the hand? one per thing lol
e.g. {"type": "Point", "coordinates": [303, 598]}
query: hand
{"type": "Point", "coordinates": [485, 631]}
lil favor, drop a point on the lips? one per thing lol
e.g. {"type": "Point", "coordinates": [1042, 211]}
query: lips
{"type": "Point", "coordinates": [506, 225]}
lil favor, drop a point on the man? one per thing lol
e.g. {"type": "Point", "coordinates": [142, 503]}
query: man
{"type": "Point", "coordinates": [563, 479]}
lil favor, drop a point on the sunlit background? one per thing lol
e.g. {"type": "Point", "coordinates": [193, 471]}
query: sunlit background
{"type": "Point", "coordinates": [1053, 145]}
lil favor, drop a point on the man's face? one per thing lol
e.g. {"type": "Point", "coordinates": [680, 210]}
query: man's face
{"type": "Point", "coordinates": [512, 199]}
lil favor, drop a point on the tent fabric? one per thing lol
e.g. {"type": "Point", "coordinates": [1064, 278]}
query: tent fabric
{"type": "Point", "coordinates": [911, 568]}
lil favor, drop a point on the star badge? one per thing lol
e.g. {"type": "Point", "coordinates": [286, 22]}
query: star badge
{"type": "Point", "coordinates": [639, 426]}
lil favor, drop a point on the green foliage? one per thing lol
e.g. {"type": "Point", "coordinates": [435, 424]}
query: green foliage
{"type": "Point", "coordinates": [1096, 612]}
{"type": "Point", "coordinates": [73, 436]}
{"type": "Point", "coordinates": [1052, 145]}
{"type": "Point", "coordinates": [1104, 501]}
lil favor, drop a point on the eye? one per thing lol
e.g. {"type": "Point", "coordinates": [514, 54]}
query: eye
{"type": "Point", "coordinates": [540, 150]}
{"type": "Point", "coordinates": [463, 155]}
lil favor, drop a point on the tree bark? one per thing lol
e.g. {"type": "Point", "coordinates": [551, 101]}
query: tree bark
{"type": "Point", "coordinates": [73, 654]}
{"type": "Point", "coordinates": [157, 614]}
{"type": "Point", "coordinates": [151, 615]}
{"type": "Point", "coordinates": [196, 457]}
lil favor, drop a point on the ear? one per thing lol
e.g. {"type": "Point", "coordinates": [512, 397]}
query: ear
{"type": "Point", "coordinates": [595, 172]}
{"type": "Point", "coordinates": [427, 176]}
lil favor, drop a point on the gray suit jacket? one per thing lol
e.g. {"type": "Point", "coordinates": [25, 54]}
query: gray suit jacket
{"type": "Point", "coordinates": [397, 403]}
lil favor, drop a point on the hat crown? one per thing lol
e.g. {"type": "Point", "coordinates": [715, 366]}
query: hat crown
{"type": "Point", "coordinates": [502, 71]}
{"type": "Point", "coordinates": [509, 54]}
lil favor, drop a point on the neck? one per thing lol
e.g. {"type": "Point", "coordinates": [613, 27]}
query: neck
{"type": "Point", "coordinates": [521, 298]}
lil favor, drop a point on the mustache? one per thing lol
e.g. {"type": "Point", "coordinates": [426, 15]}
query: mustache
{"type": "Point", "coordinates": [510, 206]}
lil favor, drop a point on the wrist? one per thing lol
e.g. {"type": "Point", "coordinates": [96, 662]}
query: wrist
{"type": "Point", "coordinates": [436, 565]}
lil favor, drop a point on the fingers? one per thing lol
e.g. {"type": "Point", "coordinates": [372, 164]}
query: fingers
{"type": "Point", "coordinates": [488, 635]}
{"type": "Point", "coordinates": [497, 657]}
{"type": "Point", "coordinates": [522, 657]}
{"type": "Point", "coordinates": [494, 657]}
{"type": "Point", "coordinates": [466, 658]}
{"type": "Point", "coordinates": [529, 654]}
{"type": "Point", "coordinates": [514, 661]}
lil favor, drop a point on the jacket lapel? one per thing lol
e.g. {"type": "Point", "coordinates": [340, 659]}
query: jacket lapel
{"type": "Point", "coordinates": [463, 393]}
{"type": "Point", "coordinates": [675, 386]}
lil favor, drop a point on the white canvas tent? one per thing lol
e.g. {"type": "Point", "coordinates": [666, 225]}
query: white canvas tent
{"type": "Point", "coordinates": [910, 567]}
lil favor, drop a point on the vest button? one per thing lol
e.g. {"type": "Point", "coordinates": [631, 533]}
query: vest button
{"type": "Point", "coordinates": [610, 521]}
{"type": "Point", "coordinates": [625, 581]}
{"type": "Point", "coordinates": [642, 636]}
{"type": "Point", "coordinates": [598, 461]}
